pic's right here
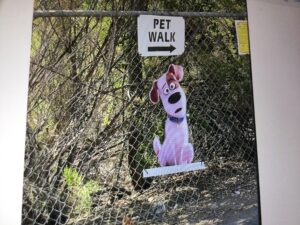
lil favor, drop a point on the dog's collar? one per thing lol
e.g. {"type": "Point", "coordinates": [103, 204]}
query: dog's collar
{"type": "Point", "coordinates": [176, 119]}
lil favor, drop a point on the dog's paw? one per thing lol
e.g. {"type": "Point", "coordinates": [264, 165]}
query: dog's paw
{"type": "Point", "coordinates": [156, 145]}
{"type": "Point", "coordinates": [188, 153]}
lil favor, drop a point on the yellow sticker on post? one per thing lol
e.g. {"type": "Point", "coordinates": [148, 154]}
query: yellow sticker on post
{"type": "Point", "coordinates": [241, 27]}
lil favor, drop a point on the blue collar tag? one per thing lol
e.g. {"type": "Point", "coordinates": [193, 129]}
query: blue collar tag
{"type": "Point", "coordinates": [176, 119]}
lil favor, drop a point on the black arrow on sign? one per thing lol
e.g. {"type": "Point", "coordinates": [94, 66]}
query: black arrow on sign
{"type": "Point", "coordinates": [170, 48]}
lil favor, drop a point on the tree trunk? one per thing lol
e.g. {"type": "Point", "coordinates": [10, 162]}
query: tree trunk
{"type": "Point", "coordinates": [135, 136]}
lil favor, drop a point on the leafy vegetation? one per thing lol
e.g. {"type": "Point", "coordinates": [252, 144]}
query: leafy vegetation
{"type": "Point", "coordinates": [80, 192]}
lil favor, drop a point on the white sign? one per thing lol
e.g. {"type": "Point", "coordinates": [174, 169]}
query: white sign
{"type": "Point", "coordinates": [160, 171]}
{"type": "Point", "coordinates": [160, 35]}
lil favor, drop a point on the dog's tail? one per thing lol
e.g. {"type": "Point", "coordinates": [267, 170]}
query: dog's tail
{"type": "Point", "coordinates": [156, 145]}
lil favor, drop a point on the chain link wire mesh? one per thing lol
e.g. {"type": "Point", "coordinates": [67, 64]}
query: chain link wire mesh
{"type": "Point", "coordinates": [90, 123]}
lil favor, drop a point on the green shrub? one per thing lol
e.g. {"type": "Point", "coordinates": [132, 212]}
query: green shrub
{"type": "Point", "coordinates": [80, 191]}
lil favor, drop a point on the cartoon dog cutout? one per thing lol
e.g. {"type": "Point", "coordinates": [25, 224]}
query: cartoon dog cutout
{"type": "Point", "coordinates": [175, 150]}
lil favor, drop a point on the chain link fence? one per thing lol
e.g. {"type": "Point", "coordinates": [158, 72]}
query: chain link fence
{"type": "Point", "coordinates": [90, 123]}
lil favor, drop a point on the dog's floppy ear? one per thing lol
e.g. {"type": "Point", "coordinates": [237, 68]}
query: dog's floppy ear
{"type": "Point", "coordinates": [177, 71]}
{"type": "Point", "coordinates": [154, 95]}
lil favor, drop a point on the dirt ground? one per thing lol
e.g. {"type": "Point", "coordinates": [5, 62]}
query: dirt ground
{"type": "Point", "coordinates": [239, 207]}
{"type": "Point", "coordinates": [223, 194]}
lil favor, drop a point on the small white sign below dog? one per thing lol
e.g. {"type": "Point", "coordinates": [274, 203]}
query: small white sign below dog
{"type": "Point", "coordinates": [160, 35]}
{"type": "Point", "coordinates": [167, 170]}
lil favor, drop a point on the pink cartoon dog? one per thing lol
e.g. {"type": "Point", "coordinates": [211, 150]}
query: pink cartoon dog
{"type": "Point", "coordinates": [176, 149]}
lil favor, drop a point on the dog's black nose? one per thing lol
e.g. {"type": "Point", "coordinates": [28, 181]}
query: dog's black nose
{"type": "Point", "coordinates": [174, 98]}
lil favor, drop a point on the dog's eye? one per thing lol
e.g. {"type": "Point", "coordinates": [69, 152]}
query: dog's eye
{"type": "Point", "coordinates": [166, 91]}
{"type": "Point", "coordinates": [172, 86]}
